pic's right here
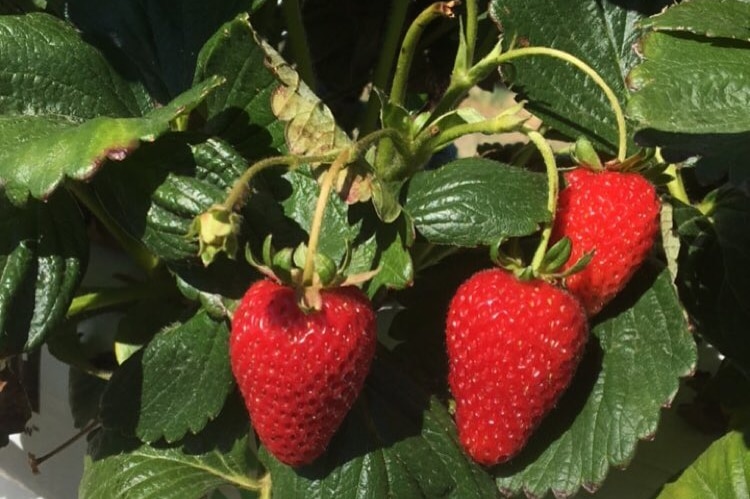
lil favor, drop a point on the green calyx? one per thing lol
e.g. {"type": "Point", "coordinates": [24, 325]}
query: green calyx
{"type": "Point", "coordinates": [287, 266]}
{"type": "Point", "coordinates": [216, 230]}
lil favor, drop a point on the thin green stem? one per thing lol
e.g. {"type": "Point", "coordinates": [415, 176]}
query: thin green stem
{"type": "Point", "coordinates": [133, 247]}
{"type": "Point", "coordinates": [409, 46]}
{"type": "Point", "coordinates": [320, 209]}
{"type": "Point", "coordinates": [591, 73]}
{"type": "Point", "coordinates": [241, 186]}
{"type": "Point", "coordinates": [298, 41]}
{"type": "Point", "coordinates": [461, 82]}
{"type": "Point", "coordinates": [553, 186]}
{"type": "Point", "coordinates": [110, 297]}
{"type": "Point", "coordinates": [471, 29]}
{"type": "Point", "coordinates": [500, 124]}
{"type": "Point", "coordinates": [384, 133]}
{"type": "Point", "coordinates": [391, 39]}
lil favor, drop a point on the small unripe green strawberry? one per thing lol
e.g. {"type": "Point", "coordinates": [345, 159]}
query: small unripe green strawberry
{"type": "Point", "coordinates": [300, 372]}
{"type": "Point", "coordinates": [614, 215]}
{"type": "Point", "coordinates": [513, 347]}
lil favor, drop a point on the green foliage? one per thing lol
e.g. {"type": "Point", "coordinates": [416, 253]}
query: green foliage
{"type": "Point", "coordinates": [174, 386]}
{"type": "Point", "coordinates": [124, 122]}
{"type": "Point", "coordinates": [460, 203]}
{"type": "Point", "coordinates": [721, 471]}
{"type": "Point", "coordinates": [118, 466]}
{"type": "Point", "coordinates": [43, 255]}
{"type": "Point", "coordinates": [697, 110]}
{"type": "Point", "coordinates": [638, 350]}
{"type": "Point", "coordinates": [373, 454]}
{"type": "Point", "coordinates": [599, 32]}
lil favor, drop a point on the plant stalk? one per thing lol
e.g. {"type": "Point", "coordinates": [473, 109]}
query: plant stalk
{"type": "Point", "coordinates": [133, 247]}
{"type": "Point", "coordinates": [396, 20]}
{"type": "Point", "coordinates": [110, 297]}
{"type": "Point", "coordinates": [35, 462]}
{"type": "Point", "coordinates": [553, 186]}
{"type": "Point", "coordinates": [240, 188]}
{"type": "Point", "coordinates": [409, 46]}
{"type": "Point", "coordinates": [591, 73]}
{"type": "Point", "coordinates": [320, 209]}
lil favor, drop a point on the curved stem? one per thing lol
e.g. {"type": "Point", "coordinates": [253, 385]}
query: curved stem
{"type": "Point", "coordinates": [298, 41]}
{"type": "Point", "coordinates": [460, 84]}
{"type": "Point", "coordinates": [132, 246]}
{"type": "Point", "coordinates": [409, 46]}
{"type": "Point", "coordinates": [552, 190]}
{"type": "Point", "coordinates": [241, 185]}
{"type": "Point", "coordinates": [320, 209]}
{"type": "Point", "coordinates": [383, 69]}
{"type": "Point", "coordinates": [573, 60]}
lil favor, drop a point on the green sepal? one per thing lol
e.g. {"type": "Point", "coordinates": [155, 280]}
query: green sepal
{"type": "Point", "coordinates": [584, 154]}
{"type": "Point", "coordinates": [216, 230]}
{"type": "Point", "coordinates": [325, 267]}
{"type": "Point", "coordinates": [556, 256]}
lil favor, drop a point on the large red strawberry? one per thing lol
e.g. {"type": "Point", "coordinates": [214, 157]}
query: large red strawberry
{"type": "Point", "coordinates": [513, 347]}
{"type": "Point", "coordinates": [613, 214]}
{"type": "Point", "coordinates": [300, 372]}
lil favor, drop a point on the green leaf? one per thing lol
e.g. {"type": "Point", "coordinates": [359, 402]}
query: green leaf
{"type": "Point", "coordinates": [396, 442]}
{"type": "Point", "coordinates": [84, 395]}
{"type": "Point", "coordinates": [472, 202]}
{"type": "Point", "coordinates": [300, 207]}
{"type": "Point", "coordinates": [687, 100]}
{"type": "Point", "coordinates": [722, 471]}
{"type": "Point", "coordinates": [43, 255]}
{"type": "Point", "coordinates": [711, 18]}
{"type": "Point", "coordinates": [713, 276]}
{"type": "Point", "coordinates": [310, 126]}
{"type": "Point", "coordinates": [240, 111]}
{"type": "Point", "coordinates": [160, 39]}
{"type": "Point", "coordinates": [38, 53]}
{"type": "Point", "coordinates": [37, 153]}
{"type": "Point", "coordinates": [601, 33]}
{"type": "Point", "coordinates": [639, 349]}
{"type": "Point", "coordinates": [391, 256]}
{"type": "Point", "coordinates": [696, 110]}
{"type": "Point", "coordinates": [118, 467]}
{"type": "Point", "coordinates": [157, 192]}
{"type": "Point", "coordinates": [175, 385]}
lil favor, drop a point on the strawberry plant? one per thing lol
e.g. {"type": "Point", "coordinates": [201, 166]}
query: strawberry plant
{"type": "Point", "coordinates": [332, 292]}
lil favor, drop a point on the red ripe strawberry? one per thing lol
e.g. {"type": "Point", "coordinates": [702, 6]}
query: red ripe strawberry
{"type": "Point", "coordinates": [513, 347]}
{"type": "Point", "coordinates": [298, 372]}
{"type": "Point", "coordinates": [614, 214]}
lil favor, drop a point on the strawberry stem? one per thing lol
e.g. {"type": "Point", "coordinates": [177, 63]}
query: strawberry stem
{"type": "Point", "coordinates": [409, 46]}
{"type": "Point", "coordinates": [553, 186]}
{"type": "Point", "coordinates": [320, 208]}
{"type": "Point", "coordinates": [573, 60]}
{"type": "Point", "coordinates": [239, 190]}
{"type": "Point", "coordinates": [382, 71]}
